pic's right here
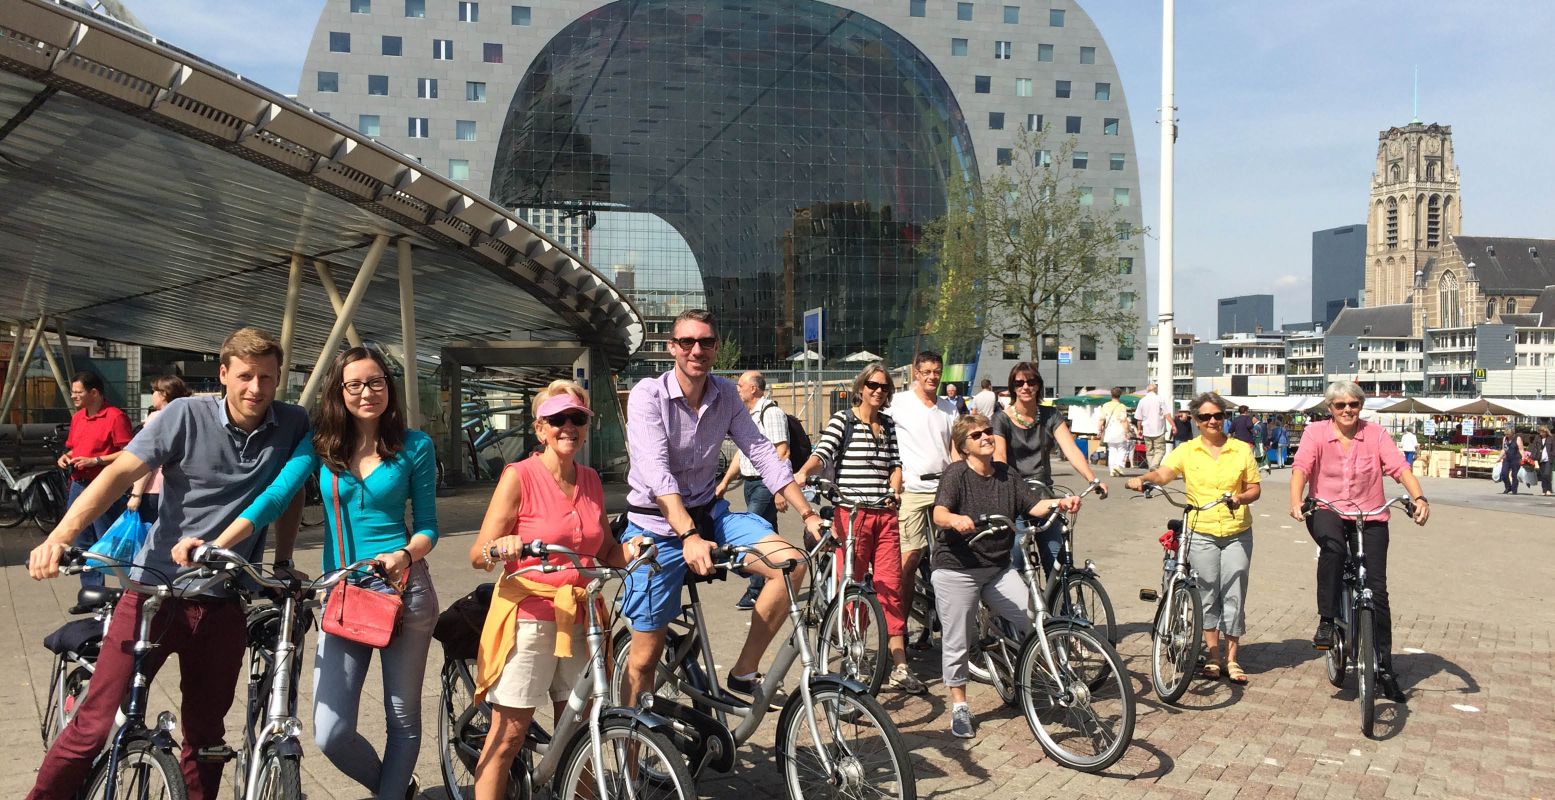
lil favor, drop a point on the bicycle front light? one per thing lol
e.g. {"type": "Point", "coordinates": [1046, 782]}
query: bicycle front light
{"type": "Point", "coordinates": [291, 727]}
{"type": "Point", "coordinates": [1091, 565]}
{"type": "Point", "coordinates": [166, 722]}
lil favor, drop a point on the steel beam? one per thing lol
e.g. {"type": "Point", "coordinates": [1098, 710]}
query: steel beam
{"type": "Point", "coordinates": [408, 333]}
{"type": "Point", "coordinates": [59, 374]}
{"type": "Point", "coordinates": [289, 321]}
{"type": "Point", "coordinates": [353, 300]}
{"type": "Point", "coordinates": [334, 299]}
{"type": "Point", "coordinates": [64, 347]}
{"type": "Point", "coordinates": [18, 371]}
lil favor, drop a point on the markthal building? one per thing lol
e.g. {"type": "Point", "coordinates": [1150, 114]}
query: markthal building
{"type": "Point", "coordinates": [758, 158]}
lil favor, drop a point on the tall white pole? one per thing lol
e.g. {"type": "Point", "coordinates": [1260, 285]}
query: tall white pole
{"type": "Point", "coordinates": [1165, 354]}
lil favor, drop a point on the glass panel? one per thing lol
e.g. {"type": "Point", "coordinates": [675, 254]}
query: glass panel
{"type": "Point", "coordinates": [329, 81]}
{"type": "Point", "coordinates": [520, 15]}
{"type": "Point", "coordinates": [368, 124]}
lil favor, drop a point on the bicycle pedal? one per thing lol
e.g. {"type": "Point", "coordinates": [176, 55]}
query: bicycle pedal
{"type": "Point", "coordinates": [215, 755]}
{"type": "Point", "coordinates": [1149, 595]}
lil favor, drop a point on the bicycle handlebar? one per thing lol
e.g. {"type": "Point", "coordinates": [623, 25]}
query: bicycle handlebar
{"type": "Point", "coordinates": [838, 496]}
{"type": "Point", "coordinates": [1149, 490]}
{"type": "Point", "coordinates": [732, 556]}
{"type": "Point", "coordinates": [74, 561]}
{"type": "Point", "coordinates": [990, 524]}
{"type": "Point", "coordinates": [539, 549]}
{"type": "Point", "coordinates": [1311, 503]}
{"type": "Point", "coordinates": [216, 560]}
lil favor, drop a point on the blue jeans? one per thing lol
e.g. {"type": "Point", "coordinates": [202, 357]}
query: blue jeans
{"type": "Point", "coordinates": [758, 501]}
{"type": "Point", "coordinates": [339, 671]}
{"type": "Point", "coordinates": [91, 533]}
{"type": "Point", "coordinates": [1049, 542]}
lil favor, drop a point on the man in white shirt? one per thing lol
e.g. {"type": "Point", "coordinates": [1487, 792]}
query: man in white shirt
{"type": "Point", "coordinates": [1154, 414]}
{"type": "Point", "coordinates": [985, 402]}
{"type": "Point", "coordinates": [772, 421]}
{"type": "Point", "coordinates": [923, 422]}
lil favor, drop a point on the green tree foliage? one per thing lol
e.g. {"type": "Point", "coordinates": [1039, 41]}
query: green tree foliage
{"type": "Point", "coordinates": [728, 354]}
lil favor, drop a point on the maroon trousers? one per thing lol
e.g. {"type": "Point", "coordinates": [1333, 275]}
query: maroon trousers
{"type": "Point", "coordinates": [209, 638]}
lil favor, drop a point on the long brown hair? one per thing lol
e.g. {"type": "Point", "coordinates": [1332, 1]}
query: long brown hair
{"type": "Point", "coordinates": [334, 434]}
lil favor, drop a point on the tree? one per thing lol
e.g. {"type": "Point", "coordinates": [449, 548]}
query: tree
{"type": "Point", "coordinates": [956, 319]}
{"type": "Point", "coordinates": [728, 357]}
{"type": "Point", "coordinates": [1029, 247]}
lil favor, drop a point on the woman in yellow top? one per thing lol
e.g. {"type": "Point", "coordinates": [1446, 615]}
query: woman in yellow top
{"type": "Point", "coordinates": [1212, 465]}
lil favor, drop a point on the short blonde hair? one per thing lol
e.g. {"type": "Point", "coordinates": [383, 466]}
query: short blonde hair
{"type": "Point", "coordinates": [248, 344]}
{"type": "Point", "coordinates": [556, 387]}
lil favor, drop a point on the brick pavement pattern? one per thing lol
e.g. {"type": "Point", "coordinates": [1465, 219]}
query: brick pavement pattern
{"type": "Point", "coordinates": [1474, 618]}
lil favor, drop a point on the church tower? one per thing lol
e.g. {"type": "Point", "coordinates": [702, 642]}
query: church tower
{"type": "Point", "coordinates": [1414, 208]}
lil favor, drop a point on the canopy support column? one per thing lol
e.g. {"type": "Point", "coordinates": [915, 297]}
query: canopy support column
{"type": "Point", "coordinates": [289, 321]}
{"type": "Point", "coordinates": [59, 374]}
{"type": "Point", "coordinates": [408, 333]}
{"type": "Point", "coordinates": [454, 464]}
{"type": "Point", "coordinates": [334, 299]}
{"type": "Point", "coordinates": [343, 317]}
{"type": "Point", "coordinates": [64, 347]}
{"type": "Point", "coordinates": [17, 372]}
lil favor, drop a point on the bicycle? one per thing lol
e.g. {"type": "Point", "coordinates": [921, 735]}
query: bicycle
{"type": "Point", "coordinates": [1076, 592]}
{"type": "Point", "coordinates": [852, 640]}
{"type": "Point", "coordinates": [270, 763]}
{"type": "Point", "coordinates": [1071, 684]}
{"type": "Point", "coordinates": [1355, 629]}
{"type": "Point", "coordinates": [312, 503]}
{"type": "Point", "coordinates": [922, 615]}
{"type": "Point", "coordinates": [833, 736]}
{"type": "Point", "coordinates": [76, 645]}
{"type": "Point", "coordinates": [40, 494]}
{"type": "Point", "coordinates": [1176, 635]}
{"type": "Point", "coordinates": [645, 760]}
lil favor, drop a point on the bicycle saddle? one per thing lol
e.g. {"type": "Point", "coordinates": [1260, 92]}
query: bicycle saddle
{"type": "Point", "coordinates": [90, 598]}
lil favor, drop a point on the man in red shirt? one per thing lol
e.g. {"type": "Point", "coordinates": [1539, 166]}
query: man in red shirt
{"type": "Point", "coordinates": [98, 432]}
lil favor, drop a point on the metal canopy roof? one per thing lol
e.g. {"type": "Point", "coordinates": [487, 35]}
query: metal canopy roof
{"type": "Point", "coordinates": [150, 197]}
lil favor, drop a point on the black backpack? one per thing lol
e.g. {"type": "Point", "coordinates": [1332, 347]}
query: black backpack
{"type": "Point", "coordinates": [799, 447]}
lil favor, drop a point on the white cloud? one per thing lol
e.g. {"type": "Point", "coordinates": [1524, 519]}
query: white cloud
{"type": "Point", "coordinates": [1292, 281]}
{"type": "Point", "coordinates": [265, 41]}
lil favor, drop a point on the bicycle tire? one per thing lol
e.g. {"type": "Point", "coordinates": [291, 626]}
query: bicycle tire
{"type": "Point", "coordinates": [993, 657]}
{"type": "Point", "coordinates": [840, 711]}
{"type": "Point", "coordinates": [639, 763]}
{"type": "Point", "coordinates": [280, 778]}
{"type": "Point", "coordinates": [1086, 599]}
{"type": "Point", "coordinates": [144, 772]}
{"type": "Point", "coordinates": [1366, 669]}
{"type": "Point", "coordinates": [49, 501]}
{"type": "Point", "coordinates": [922, 621]}
{"type": "Point", "coordinates": [11, 513]}
{"type": "Point", "coordinates": [1175, 641]}
{"type": "Point", "coordinates": [461, 734]}
{"type": "Point", "coordinates": [843, 649]}
{"type": "Point", "coordinates": [1336, 659]}
{"type": "Point", "coordinates": [66, 694]}
{"type": "Point", "coordinates": [1094, 703]}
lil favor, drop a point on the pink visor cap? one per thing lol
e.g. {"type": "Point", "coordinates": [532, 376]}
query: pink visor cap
{"type": "Point", "coordinates": [557, 403]}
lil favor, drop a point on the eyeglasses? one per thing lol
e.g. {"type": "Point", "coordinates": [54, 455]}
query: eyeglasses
{"type": "Point", "coordinates": [1338, 406]}
{"type": "Point", "coordinates": [577, 418]}
{"type": "Point", "coordinates": [876, 386]}
{"type": "Point", "coordinates": [1218, 416]}
{"type": "Point", "coordinates": [1021, 383]}
{"type": "Point", "coordinates": [377, 384]}
{"type": "Point", "coordinates": [973, 436]}
{"type": "Point", "coordinates": [687, 342]}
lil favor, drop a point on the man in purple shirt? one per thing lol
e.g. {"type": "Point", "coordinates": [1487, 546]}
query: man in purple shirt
{"type": "Point", "coordinates": [675, 425]}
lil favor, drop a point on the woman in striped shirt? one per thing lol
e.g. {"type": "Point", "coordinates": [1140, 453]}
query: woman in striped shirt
{"type": "Point", "coordinates": [860, 443]}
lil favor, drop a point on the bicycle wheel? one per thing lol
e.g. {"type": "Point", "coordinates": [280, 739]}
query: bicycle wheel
{"type": "Point", "coordinates": [922, 621]}
{"type": "Point", "coordinates": [280, 778]}
{"type": "Point", "coordinates": [1085, 719]}
{"type": "Point", "coordinates": [865, 749]}
{"type": "Point", "coordinates": [11, 513]}
{"type": "Point", "coordinates": [1175, 641]}
{"type": "Point", "coordinates": [312, 505]}
{"type": "Point", "coordinates": [993, 657]}
{"type": "Point", "coordinates": [636, 762]}
{"type": "Point", "coordinates": [1085, 599]}
{"type": "Point", "coordinates": [853, 641]}
{"type": "Point", "coordinates": [1337, 657]}
{"type": "Point", "coordinates": [1366, 668]}
{"type": "Point", "coordinates": [49, 499]}
{"type": "Point", "coordinates": [462, 725]}
{"type": "Point", "coordinates": [66, 694]}
{"type": "Point", "coordinates": [143, 773]}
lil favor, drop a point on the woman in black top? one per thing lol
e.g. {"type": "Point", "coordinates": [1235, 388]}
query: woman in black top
{"type": "Point", "coordinates": [1024, 435]}
{"type": "Point", "coordinates": [1544, 454]}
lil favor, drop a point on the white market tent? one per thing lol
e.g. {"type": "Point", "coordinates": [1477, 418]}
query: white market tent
{"type": "Point", "coordinates": [806, 355]}
{"type": "Point", "coordinates": [861, 357]}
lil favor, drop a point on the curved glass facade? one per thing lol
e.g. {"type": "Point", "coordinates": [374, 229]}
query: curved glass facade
{"type": "Point", "coordinates": [797, 148]}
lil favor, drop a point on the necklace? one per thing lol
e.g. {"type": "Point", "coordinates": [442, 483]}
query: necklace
{"type": "Point", "coordinates": [1020, 419]}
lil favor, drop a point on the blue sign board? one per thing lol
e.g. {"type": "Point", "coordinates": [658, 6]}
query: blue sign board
{"type": "Point", "coordinates": [814, 323]}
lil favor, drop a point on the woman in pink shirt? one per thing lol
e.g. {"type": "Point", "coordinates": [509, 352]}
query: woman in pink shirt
{"type": "Point", "coordinates": [547, 496]}
{"type": "Point", "coordinates": [1344, 459]}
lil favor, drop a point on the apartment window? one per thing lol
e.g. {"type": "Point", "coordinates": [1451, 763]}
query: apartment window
{"type": "Point", "coordinates": [1003, 155]}
{"type": "Point", "coordinates": [1022, 87]}
{"type": "Point", "coordinates": [442, 49]}
{"type": "Point", "coordinates": [964, 12]}
{"type": "Point", "coordinates": [339, 42]}
{"type": "Point", "coordinates": [1126, 300]}
{"type": "Point", "coordinates": [520, 15]}
{"type": "Point", "coordinates": [917, 8]}
{"type": "Point", "coordinates": [1009, 348]}
{"type": "Point", "coordinates": [361, 6]}
{"type": "Point", "coordinates": [1061, 89]}
{"type": "Point", "coordinates": [1081, 159]}
{"type": "Point", "coordinates": [1003, 50]}
{"type": "Point", "coordinates": [459, 169]}
{"type": "Point", "coordinates": [1125, 265]}
{"type": "Point", "coordinates": [1124, 231]}
{"type": "Point", "coordinates": [1126, 347]}
{"type": "Point", "coordinates": [418, 128]}
{"type": "Point", "coordinates": [1087, 55]}
{"type": "Point", "coordinates": [1120, 196]}
{"type": "Point", "coordinates": [1087, 348]}
{"type": "Point", "coordinates": [1071, 124]}
{"type": "Point", "coordinates": [416, 8]}
{"type": "Point", "coordinates": [329, 81]}
{"type": "Point", "coordinates": [475, 91]}
{"type": "Point", "coordinates": [1115, 161]}
{"type": "Point", "coordinates": [1049, 347]}
{"type": "Point", "coordinates": [1044, 158]}
{"type": "Point", "coordinates": [996, 120]}
{"type": "Point", "coordinates": [368, 124]}
{"type": "Point", "coordinates": [491, 53]}
{"type": "Point", "coordinates": [1055, 18]}
{"type": "Point", "coordinates": [958, 47]}
{"type": "Point", "coordinates": [426, 88]}
{"type": "Point", "coordinates": [469, 12]}
{"type": "Point", "coordinates": [1087, 196]}
{"type": "Point", "coordinates": [464, 130]}
{"type": "Point", "coordinates": [1034, 122]}
{"type": "Point", "coordinates": [1104, 91]}
{"type": "Point", "coordinates": [1044, 52]}
{"type": "Point", "coordinates": [1012, 15]}
{"type": "Point", "coordinates": [378, 84]}
{"type": "Point", "coordinates": [982, 84]}
{"type": "Point", "coordinates": [393, 46]}
{"type": "Point", "coordinates": [1109, 126]}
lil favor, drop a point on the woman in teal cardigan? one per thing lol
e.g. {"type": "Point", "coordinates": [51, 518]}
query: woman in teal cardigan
{"type": "Point", "coordinates": [368, 466]}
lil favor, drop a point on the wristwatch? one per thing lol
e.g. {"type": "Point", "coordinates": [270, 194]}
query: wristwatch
{"type": "Point", "coordinates": [1421, 499]}
{"type": "Point", "coordinates": [284, 563]}
{"type": "Point", "coordinates": [690, 532]}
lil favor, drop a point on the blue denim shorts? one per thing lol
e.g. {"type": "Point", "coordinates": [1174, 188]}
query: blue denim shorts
{"type": "Point", "coordinates": [652, 600]}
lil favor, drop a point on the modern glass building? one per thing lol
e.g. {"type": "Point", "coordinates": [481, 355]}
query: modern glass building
{"type": "Point", "coordinates": [759, 159]}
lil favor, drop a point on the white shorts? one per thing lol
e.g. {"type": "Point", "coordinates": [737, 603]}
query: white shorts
{"type": "Point", "coordinates": [533, 673]}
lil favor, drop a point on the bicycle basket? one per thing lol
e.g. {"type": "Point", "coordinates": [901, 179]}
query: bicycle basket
{"type": "Point", "coordinates": [459, 626]}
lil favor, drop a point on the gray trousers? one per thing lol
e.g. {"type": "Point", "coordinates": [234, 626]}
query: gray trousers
{"type": "Point", "coordinates": [956, 593]}
{"type": "Point", "coordinates": [1222, 564]}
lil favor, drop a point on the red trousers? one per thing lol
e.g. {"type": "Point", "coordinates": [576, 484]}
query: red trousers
{"type": "Point", "coordinates": [209, 638]}
{"type": "Point", "coordinates": [877, 543]}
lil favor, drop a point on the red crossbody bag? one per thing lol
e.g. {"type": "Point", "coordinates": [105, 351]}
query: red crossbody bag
{"type": "Point", "coordinates": [354, 612]}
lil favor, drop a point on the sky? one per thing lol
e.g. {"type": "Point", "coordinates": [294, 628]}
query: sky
{"type": "Point", "coordinates": [1279, 107]}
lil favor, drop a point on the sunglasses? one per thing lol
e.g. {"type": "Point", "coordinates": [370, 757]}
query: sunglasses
{"type": "Point", "coordinates": [1021, 383]}
{"type": "Point", "coordinates": [876, 386]}
{"type": "Point", "coordinates": [973, 436]}
{"type": "Point", "coordinates": [1353, 404]}
{"type": "Point", "coordinates": [1218, 416]}
{"type": "Point", "coordinates": [687, 342]}
{"type": "Point", "coordinates": [577, 418]}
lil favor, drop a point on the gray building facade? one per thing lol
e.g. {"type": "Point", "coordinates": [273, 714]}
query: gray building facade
{"type": "Point", "coordinates": [1338, 270]}
{"type": "Point", "coordinates": [1249, 313]}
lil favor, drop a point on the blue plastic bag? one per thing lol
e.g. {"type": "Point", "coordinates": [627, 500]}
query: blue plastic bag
{"type": "Point", "coordinates": [121, 541]}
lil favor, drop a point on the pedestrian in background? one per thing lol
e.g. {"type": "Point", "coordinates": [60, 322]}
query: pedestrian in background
{"type": "Point", "coordinates": [772, 421]}
{"type": "Point", "coordinates": [1512, 452]}
{"type": "Point", "coordinates": [1408, 444]}
{"type": "Point", "coordinates": [1243, 427]}
{"type": "Point", "coordinates": [953, 394]}
{"type": "Point", "coordinates": [1544, 452]}
{"type": "Point", "coordinates": [985, 402]}
{"type": "Point", "coordinates": [1116, 430]}
{"type": "Point", "coordinates": [1279, 442]}
{"type": "Point", "coordinates": [1182, 428]}
{"type": "Point", "coordinates": [98, 433]}
{"type": "Point", "coordinates": [146, 494]}
{"type": "Point", "coordinates": [1154, 415]}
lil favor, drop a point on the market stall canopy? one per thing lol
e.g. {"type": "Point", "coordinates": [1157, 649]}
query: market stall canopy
{"type": "Point", "coordinates": [1276, 404]}
{"type": "Point", "coordinates": [1542, 409]}
{"type": "Point", "coordinates": [861, 357]}
{"type": "Point", "coordinates": [1486, 405]}
{"type": "Point", "coordinates": [1420, 405]}
{"type": "Point", "coordinates": [805, 355]}
{"type": "Point", "coordinates": [1096, 399]}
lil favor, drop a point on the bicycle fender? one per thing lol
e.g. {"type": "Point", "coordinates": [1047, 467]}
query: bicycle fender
{"type": "Point", "coordinates": [702, 739]}
{"type": "Point", "coordinates": [1073, 622]}
{"type": "Point", "coordinates": [836, 682]}
{"type": "Point", "coordinates": [287, 748]}
{"type": "Point", "coordinates": [163, 740]}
